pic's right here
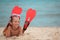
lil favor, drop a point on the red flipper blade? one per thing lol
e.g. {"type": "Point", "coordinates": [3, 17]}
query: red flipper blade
{"type": "Point", "coordinates": [17, 10]}
{"type": "Point", "coordinates": [30, 14]}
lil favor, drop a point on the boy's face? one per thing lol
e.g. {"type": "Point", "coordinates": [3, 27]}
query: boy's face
{"type": "Point", "coordinates": [15, 22]}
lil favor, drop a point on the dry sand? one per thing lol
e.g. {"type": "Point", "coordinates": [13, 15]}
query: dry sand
{"type": "Point", "coordinates": [36, 33]}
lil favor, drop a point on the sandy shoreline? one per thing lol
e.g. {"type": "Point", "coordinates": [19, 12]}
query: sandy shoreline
{"type": "Point", "coordinates": [36, 33]}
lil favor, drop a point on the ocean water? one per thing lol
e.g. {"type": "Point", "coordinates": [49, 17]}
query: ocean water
{"type": "Point", "coordinates": [47, 12]}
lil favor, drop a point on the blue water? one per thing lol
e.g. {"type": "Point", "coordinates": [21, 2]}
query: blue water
{"type": "Point", "coordinates": [48, 11]}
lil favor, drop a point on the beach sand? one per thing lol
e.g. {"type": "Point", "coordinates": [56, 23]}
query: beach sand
{"type": "Point", "coordinates": [36, 33]}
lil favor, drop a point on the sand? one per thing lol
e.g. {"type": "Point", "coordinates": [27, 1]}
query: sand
{"type": "Point", "coordinates": [36, 33]}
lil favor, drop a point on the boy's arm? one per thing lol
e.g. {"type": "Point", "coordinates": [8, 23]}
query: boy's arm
{"type": "Point", "coordinates": [6, 32]}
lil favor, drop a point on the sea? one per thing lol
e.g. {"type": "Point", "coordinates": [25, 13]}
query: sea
{"type": "Point", "coordinates": [47, 12]}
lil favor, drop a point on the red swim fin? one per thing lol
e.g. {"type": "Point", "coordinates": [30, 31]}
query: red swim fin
{"type": "Point", "coordinates": [29, 17]}
{"type": "Point", "coordinates": [30, 14]}
{"type": "Point", "coordinates": [16, 11]}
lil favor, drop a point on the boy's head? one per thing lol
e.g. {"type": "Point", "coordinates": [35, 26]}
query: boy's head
{"type": "Point", "coordinates": [15, 21]}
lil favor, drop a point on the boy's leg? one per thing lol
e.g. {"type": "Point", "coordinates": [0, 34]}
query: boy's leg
{"type": "Point", "coordinates": [30, 14]}
{"type": "Point", "coordinates": [25, 26]}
